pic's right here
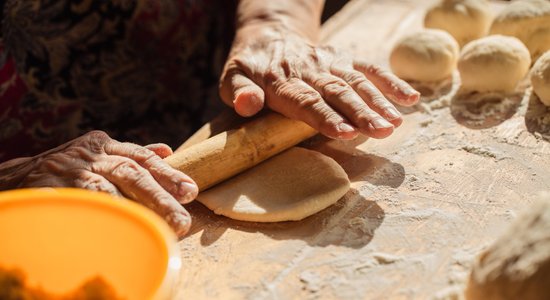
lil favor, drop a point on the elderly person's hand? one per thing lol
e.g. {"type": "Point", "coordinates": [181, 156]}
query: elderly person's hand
{"type": "Point", "coordinates": [96, 162]}
{"type": "Point", "coordinates": [274, 61]}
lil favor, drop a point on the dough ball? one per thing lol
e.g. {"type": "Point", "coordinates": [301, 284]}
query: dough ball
{"type": "Point", "coordinates": [426, 56]}
{"type": "Point", "coordinates": [493, 64]}
{"type": "Point", "coordinates": [290, 186]}
{"type": "Point", "coordinates": [529, 21]}
{"type": "Point", "coordinates": [538, 43]}
{"type": "Point", "coordinates": [517, 265]}
{"type": "Point", "coordinates": [540, 78]}
{"type": "Point", "coordinates": [465, 20]}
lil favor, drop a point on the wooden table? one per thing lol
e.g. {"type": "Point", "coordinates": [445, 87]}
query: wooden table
{"type": "Point", "coordinates": [423, 202]}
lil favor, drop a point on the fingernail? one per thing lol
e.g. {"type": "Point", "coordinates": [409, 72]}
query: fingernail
{"type": "Point", "coordinates": [393, 113]}
{"type": "Point", "coordinates": [187, 191]}
{"type": "Point", "coordinates": [413, 94]}
{"type": "Point", "coordinates": [380, 123]}
{"type": "Point", "coordinates": [343, 127]}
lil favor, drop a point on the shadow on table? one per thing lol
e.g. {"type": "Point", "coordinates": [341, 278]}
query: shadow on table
{"type": "Point", "coordinates": [484, 110]}
{"type": "Point", "coordinates": [351, 222]}
{"type": "Point", "coordinates": [346, 223]}
{"type": "Point", "coordinates": [359, 165]}
{"type": "Point", "coordinates": [537, 118]}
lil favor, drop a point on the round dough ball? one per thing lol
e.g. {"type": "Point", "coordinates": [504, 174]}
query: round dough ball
{"type": "Point", "coordinates": [517, 265]}
{"type": "Point", "coordinates": [465, 20]}
{"type": "Point", "coordinates": [540, 78]}
{"type": "Point", "coordinates": [426, 56]}
{"type": "Point", "coordinates": [493, 64]}
{"type": "Point", "coordinates": [538, 42]}
{"type": "Point", "coordinates": [529, 21]}
{"type": "Point", "coordinates": [288, 187]}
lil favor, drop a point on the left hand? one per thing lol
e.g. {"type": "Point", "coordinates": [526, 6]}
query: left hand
{"type": "Point", "coordinates": [337, 95]}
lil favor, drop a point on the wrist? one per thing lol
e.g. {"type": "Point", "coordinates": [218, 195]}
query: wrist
{"type": "Point", "coordinates": [270, 30]}
{"type": "Point", "coordinates": [267, 21]}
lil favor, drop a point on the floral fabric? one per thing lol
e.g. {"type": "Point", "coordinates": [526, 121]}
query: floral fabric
{"type": "Point", "coordinates": [144, 71]}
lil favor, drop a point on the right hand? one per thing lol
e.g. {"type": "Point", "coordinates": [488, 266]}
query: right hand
{"type": "Point", "coordinates": [96, 162]}
{"type": "Point", "coordinates": [333, 92]}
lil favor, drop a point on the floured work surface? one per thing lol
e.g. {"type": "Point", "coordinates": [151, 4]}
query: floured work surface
{"type": "Point", "coordinates": [423, 202]}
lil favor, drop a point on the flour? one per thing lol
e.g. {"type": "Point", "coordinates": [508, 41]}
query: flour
{"type": "Point", "coordinates": [482, 152]}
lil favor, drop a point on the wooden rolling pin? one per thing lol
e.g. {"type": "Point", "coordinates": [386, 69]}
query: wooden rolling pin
{"type": "Point", "coordinates": [232, 152]}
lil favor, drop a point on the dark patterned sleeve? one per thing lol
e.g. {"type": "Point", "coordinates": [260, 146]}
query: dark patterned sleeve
{"type": "Point", "coordinates": [1, 16]}
{"type": "Point", "coordinates": [144, 71]}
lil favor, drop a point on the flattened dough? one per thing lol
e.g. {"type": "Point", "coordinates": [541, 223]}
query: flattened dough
{"type": "Point", "coordinates": [288, 187]}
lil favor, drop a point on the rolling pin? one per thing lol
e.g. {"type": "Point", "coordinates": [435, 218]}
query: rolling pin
{"type": "Point", "coordinates": [232, 152]}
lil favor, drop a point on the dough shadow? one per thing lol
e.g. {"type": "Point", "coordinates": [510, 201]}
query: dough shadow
{"type": "Point", "coordinates": [359, 165]}
{"type": "Point", "coordinates": [537, 118]}
{"type": "Point", "coordinates": [484, 110]}
{"type": "Point", "coordinates": [351, 222]}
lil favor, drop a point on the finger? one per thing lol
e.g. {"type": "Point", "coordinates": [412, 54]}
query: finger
{"type": "Point", "coordinates": [390, 85]}
{"type": "Point", "coordinates": [370, 95]}
{"type": "Point", "coordinates": [344, 99]}
{"type": "Point", "coordinates": [295, 99]}
{"type": "Point", "coordinates": [179, 185]}
{"type": "Point", "coordinates": [243, 94]}
{"type": "Point", "coordinates": [94, 182]}
{"type": "Point", "coordinates": [160, 149]}
{"type": "Point", "coordinates": [136, 183]}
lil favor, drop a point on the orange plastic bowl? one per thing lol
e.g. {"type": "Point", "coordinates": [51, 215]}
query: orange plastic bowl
{"type": "Point", "coordinates": [60, 238]}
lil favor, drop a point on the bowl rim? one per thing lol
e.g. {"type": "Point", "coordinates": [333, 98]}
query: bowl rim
{"type": "Point", "coordinates": [156, 225]}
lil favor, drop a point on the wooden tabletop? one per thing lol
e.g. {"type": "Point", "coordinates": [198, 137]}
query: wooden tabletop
{"type": "Point", "coordinates": [423, 204]}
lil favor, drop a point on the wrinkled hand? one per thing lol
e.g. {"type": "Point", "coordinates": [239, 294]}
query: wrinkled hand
{"type": "Point", "coordinates": [325, 88]}
{"type": "Point", "coordinates": [96, 162]}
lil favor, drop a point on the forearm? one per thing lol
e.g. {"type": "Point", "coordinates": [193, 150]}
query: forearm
{"type": "Point", "coordinates": [13, 172]}
{"type": "Point", "coordinates": [300, 16]}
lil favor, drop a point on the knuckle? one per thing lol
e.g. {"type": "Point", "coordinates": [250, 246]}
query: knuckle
{"type": "Point", "coordinates": [127, 168]}
{"type": "Point", "coordinates": [367, 87]}
{"type": "Point", "coordinates": [374, 95]}
{"type": "Point", "coordinates": [354, 78]}
{"type": "Point", "coordinates": [337, 90]}
{"type": "Point", "coordinates": [363, 120]}
{"type": "Point", "coordinates": [365, 115]}
{"type": "Point", "coordinates": [330, 123]}
{"type": "Point", "coordinates": [272, 76]}
{"type": "Point", "coordinates": [328, 116]}
{"type": "Point", "coordinates": [331, 85]}
{"type": "Point", "coordinates": [91, 183]}
{"type": "Point", "coordinates": [98, 135]}
{"type": "Point", "coordinates": [231, 69]}
{"type": "Point", "coordinates": [161, 198]}
{"type": "Point", "coordinates": [380, 101]}
{"type": "Point", "coordinates": [236, 62]}
{"type": "Point", "coordinates": [95, 140]}
{"type": "Point", "coordinates": [143, 154]}
{"type": "Point", "coordinates": [308, 100]}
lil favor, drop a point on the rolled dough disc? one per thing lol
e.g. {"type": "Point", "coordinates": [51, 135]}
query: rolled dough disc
{"type": "Point", "coordinates": [288, 187]}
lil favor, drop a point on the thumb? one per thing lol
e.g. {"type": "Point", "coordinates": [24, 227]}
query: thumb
{"type": "Point", "coordinates": [243, 94]}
